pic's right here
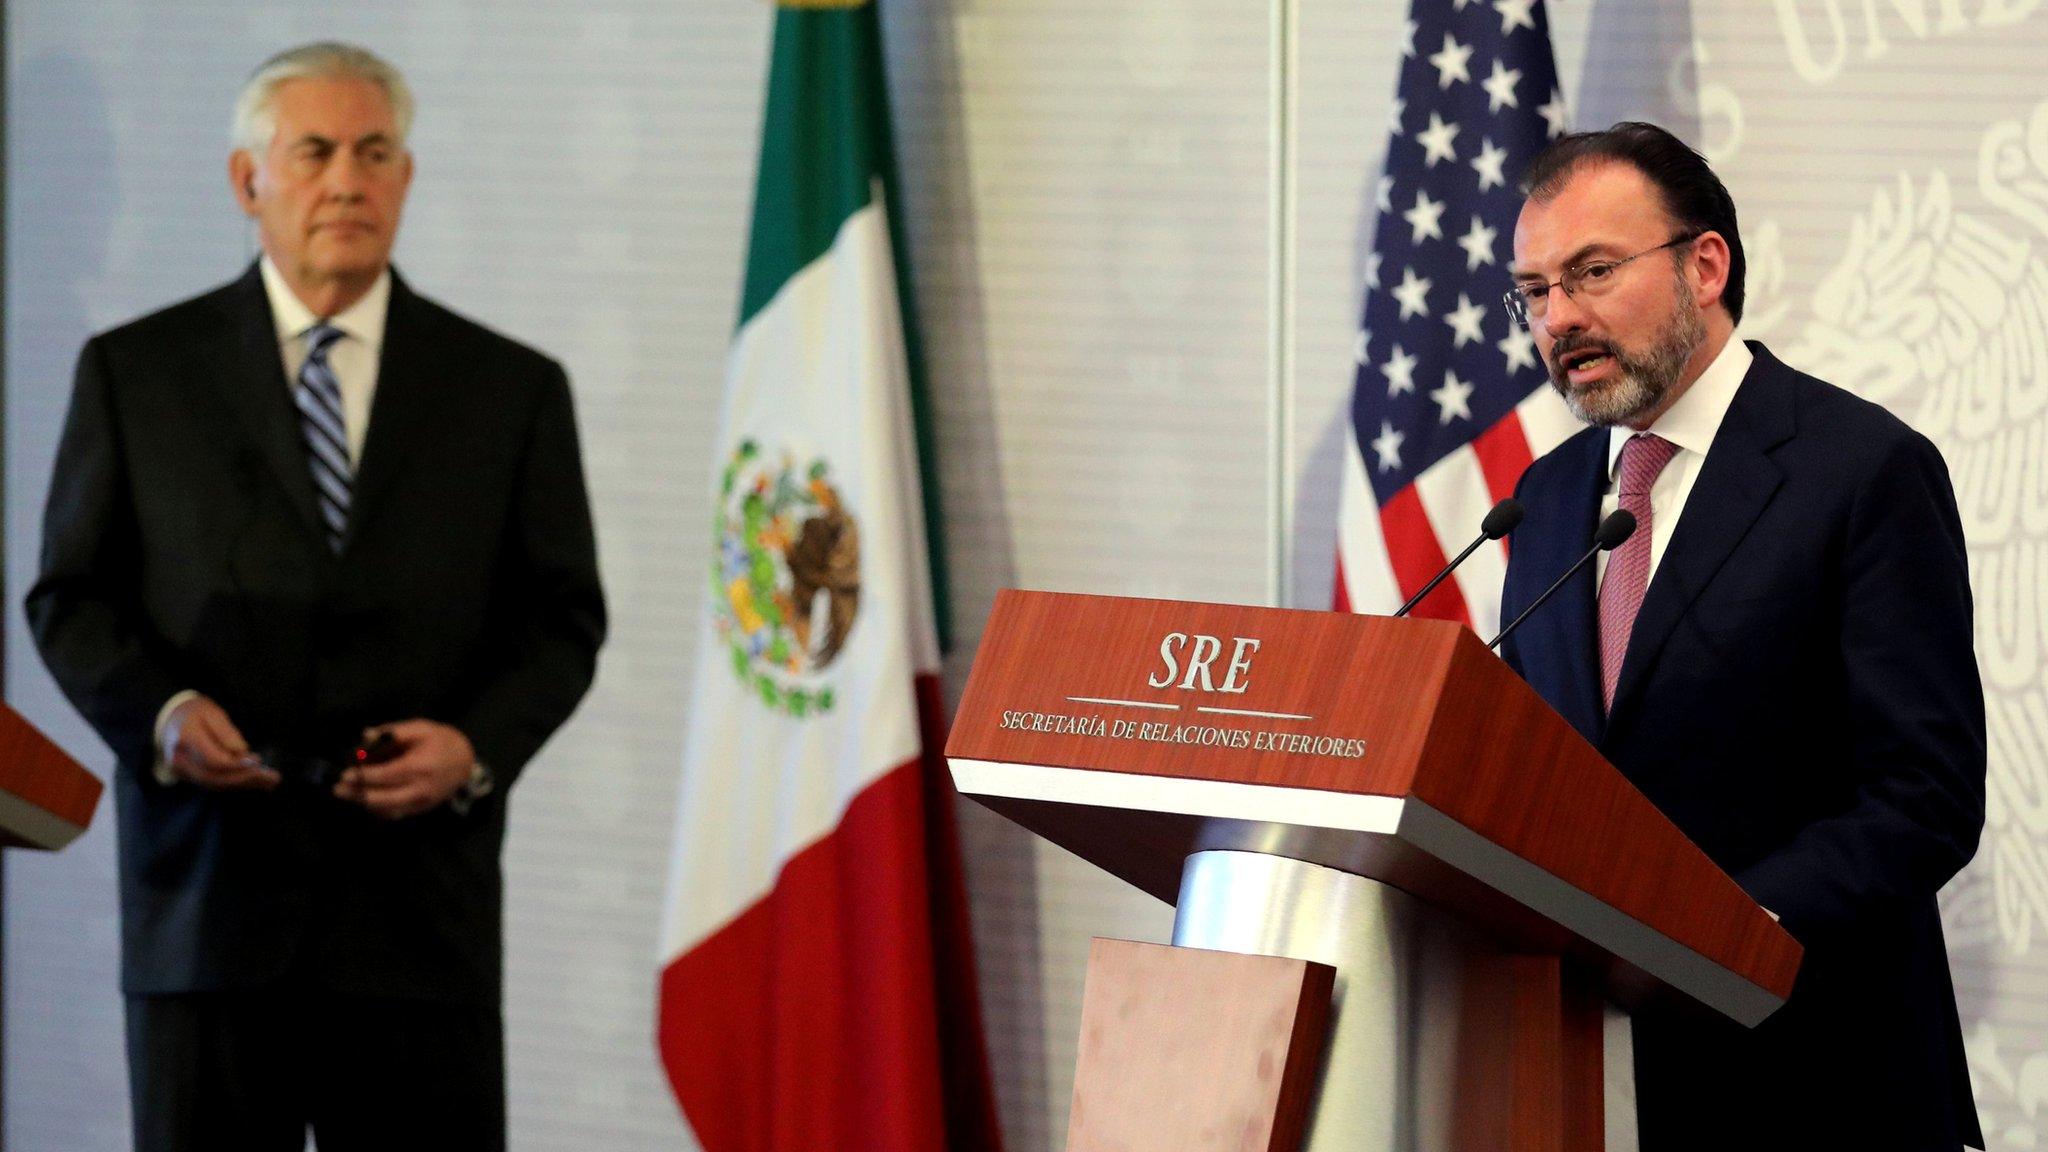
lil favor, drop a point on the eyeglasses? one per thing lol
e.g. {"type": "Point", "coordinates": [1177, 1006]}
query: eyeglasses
{"type": "Point", "coordinates": [1526, 302]}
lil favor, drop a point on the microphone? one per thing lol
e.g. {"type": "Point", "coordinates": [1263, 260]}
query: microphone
{"type": "Point", "coordinates": [1498, 523]}
{"type": "Point", "coordinates": [1619, 526]}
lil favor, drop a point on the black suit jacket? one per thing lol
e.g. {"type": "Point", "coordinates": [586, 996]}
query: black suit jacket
{"type": "Point", "coordinates": [1800, 696]}
{"type": "Point", "coordinates": [181, 549]}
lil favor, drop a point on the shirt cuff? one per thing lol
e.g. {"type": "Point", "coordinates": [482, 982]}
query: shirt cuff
{"type": "Point", "coordinates": [162, 768]}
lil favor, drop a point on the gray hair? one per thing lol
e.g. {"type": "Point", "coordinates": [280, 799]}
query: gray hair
{"type": "Point", "coordinates": [255, 108]}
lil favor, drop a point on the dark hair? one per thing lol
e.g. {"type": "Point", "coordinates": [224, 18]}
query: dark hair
{"type": "Point", "coordinates": [1692, 194]}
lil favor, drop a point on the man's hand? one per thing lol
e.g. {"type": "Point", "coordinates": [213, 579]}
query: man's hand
{"type": "Point", "coordinates": [433, 761]}
{"type": "Point", "coordinates": [203, 746]}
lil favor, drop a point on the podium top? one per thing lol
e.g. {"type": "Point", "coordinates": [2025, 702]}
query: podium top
{"type": "Point", "coordinates": [1136, 731]}
{"type": "Point", "coordinates": [46, 797]}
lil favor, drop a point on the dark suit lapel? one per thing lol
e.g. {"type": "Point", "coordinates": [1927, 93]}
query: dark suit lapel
{"type": "Point", "coordinates": [402, 414]}
{"type": "Point", "coordinates": [1734, 486]}
{"type": "Point", "coordinates": [253, 379]}
{"type": "Point", "coordinates": [1577, 616]}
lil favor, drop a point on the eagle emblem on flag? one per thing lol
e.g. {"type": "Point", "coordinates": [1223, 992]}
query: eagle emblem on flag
{"type": "Point", "coordinates": [787, 575]}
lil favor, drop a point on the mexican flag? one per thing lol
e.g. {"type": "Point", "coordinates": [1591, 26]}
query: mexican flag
{"type": "Point", "coordinates": [817, 989]}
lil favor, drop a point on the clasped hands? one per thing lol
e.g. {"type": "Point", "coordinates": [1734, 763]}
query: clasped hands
{"type": "Point", "coordinates": [432, 762]}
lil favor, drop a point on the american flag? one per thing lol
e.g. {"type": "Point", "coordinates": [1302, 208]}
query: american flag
{"type": "Point", "coordinates": [1450, 401]}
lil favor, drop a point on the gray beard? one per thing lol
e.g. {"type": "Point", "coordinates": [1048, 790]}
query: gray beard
{"type": "Point", "coordinates": [1644, 380]}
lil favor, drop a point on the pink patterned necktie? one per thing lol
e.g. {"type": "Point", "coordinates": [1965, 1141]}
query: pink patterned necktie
{"type": "Point", "coordinates": [1628, 570]}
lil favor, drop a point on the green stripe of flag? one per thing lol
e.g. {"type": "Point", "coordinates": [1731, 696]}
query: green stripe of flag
{"type": "Point", "coordinates": [822, 141]}
{"type": "Point", "coordinates": [825, 138]}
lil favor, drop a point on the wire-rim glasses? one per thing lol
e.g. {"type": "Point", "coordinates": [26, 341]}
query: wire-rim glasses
{"type": "Point", "coordinates": [1526, 302]}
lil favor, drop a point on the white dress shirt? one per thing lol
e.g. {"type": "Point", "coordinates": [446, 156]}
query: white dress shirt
{"type": "Point", "coordinates": [1691, 423]}
{"type": "Point", "coordinates": [353, 359]}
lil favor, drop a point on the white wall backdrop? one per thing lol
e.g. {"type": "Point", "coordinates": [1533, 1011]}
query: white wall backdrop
{"type": "Point", "coordinates": [1096, 230]}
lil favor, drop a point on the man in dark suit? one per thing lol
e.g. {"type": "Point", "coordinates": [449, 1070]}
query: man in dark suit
{"type": "Point", "coordinates": [1780, 657]}
{"type": "Point", "coordinates": [318, 565]}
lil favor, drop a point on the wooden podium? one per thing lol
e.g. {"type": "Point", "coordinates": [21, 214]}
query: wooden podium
{"type": "Point", "coordinates": [46, 797]}
{"type": "Point", "coordinates": [1388, 798]}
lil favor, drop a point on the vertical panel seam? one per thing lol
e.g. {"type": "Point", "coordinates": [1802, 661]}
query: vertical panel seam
{"type": "Point", "coordinates": [1280, 305]}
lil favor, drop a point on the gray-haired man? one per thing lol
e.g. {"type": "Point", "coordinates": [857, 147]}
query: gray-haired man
{"type": "Point", "coordinates": [318, 565]}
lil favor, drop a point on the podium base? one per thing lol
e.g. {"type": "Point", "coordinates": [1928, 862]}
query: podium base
{"type": "Point", "coordinates": [1438, 1040]}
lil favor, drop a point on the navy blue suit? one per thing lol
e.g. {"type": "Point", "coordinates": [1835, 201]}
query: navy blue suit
{"type": "Point", "coordinates": [1800, 695]}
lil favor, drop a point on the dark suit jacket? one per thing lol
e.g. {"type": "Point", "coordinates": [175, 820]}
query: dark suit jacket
{"type": "Point", "coordinates": [1801, 697]}
{"type": "Point", "coordinates": [181, 549]}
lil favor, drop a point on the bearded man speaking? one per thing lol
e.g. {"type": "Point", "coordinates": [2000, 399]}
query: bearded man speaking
{"type": "Point", "coordinates": [1780, 656]}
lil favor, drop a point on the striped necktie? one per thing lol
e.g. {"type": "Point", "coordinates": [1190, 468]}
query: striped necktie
{"type": "Point", "coordinates": [326, 432]}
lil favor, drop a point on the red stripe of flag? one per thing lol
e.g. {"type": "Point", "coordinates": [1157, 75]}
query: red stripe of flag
{"type": "Point", "coordinates": [798, 1024]}
{"type": "Point", "coordinates": [839, 1011]}
{"type": "Point", "coordinates": [1416, 555]}
{"type": "Point", "coordinates": [1503, 452]}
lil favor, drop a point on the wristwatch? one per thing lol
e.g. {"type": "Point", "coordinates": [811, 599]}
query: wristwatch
{"type": "Point", "coordinates": [480, 784]}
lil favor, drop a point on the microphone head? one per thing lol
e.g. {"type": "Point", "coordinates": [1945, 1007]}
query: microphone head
{"type": "Point", "coordinates": [1619, 526]}
{"type": "Point", "coordinates": [1503, 519]}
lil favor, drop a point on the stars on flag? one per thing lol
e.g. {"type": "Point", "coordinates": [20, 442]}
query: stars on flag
{"type": "Point", "coordinates": [1450, 62]}
{"type": "Point", "coordinates": [1436, 141]}
{"type": "Point", "coordinates": [1412, 294]}
{"type": "Point", "coordinates": [1490, 164]}
{"type": "Point", "coordinates": [1500, 87]}
{"type": "Point", "coordinates": [1515, 14]}
{"type": "Point", "coordinates": [1478, 244]}
{"type": "Point", "coordinates": [1387, 446]}
{"type": "Point", "coordinates": [1399, 371]}
{"type": "Point", "coordinates": [1519, 348]}
{"type": "Point", "coordinates": [1451, 399]}
{"type": "Point", "coordinates": [1423, 218]}
{"type": "Point", "coordinates": [1467, 322]}
{"type": "Point", "coordinates": [1443, 361]}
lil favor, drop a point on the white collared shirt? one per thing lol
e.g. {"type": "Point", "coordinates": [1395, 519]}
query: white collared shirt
{"type": "Point", "coordinates": [353, 357]}
{"type": "Point", "coordinates": [1691, 423]}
